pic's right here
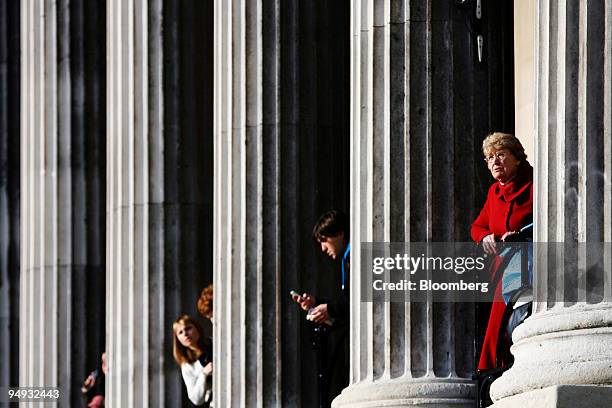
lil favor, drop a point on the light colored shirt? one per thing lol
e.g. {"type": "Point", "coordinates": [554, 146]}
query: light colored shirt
{"type": "Point", "coordinates": [195, 381]}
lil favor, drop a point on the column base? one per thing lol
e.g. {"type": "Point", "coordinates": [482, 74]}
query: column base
{"type": "Point", "coordinates": [561, 396]}
{"type": "Point", "coordinates": [408, 392]}
{"type": "Point", "coordinates": [563, 346]}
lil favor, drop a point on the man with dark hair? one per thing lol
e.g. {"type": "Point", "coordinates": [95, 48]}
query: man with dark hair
{"type": "Point", "coordinates": [331, 232]}
{"type": "Point", "coordinates": [331, 224]}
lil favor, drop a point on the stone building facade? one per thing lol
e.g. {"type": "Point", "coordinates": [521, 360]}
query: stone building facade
{"type": "Point", "coordinates": [150, 147]}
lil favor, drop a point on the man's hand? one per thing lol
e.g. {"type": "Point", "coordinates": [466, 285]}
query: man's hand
{"type": "Point", "coordinates": [489, 245]}
{"type": "Point", "coordinates": [306, 301]}
{"type": "Point", "coordinates": [89, 382]}
{"type": "Point", "coordinates": [320, 314]}
{"type": "Point", "coordinates": [208, 369]}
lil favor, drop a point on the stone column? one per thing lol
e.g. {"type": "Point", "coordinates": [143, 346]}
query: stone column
{"type": "Point", "coordinates": [281, 159]}
{"type": "Point", "coordinates": [420, 105]}
{"type": "Point", "coordinates": [61, 310]}
{"type": "Point", "coordinates": [563, 356]}
{"type": "Point", "coordinates": [9, 194]}
{"type": "Point", "coordinates": [159, 190]}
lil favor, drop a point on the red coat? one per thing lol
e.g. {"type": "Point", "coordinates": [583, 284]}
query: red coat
{"type": "Point", "coordinates": [508, 207]}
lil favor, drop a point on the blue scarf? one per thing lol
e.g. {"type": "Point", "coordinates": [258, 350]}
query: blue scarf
{"type": "Point", "coordinates": [347, 252]}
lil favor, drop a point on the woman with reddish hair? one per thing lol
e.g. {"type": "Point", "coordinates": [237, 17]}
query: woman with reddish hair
{"type": "Point", "coordinates": [205, 302]}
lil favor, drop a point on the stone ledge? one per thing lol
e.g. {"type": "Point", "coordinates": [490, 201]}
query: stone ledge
{"type": "Point", "coordinates": [561, 396]}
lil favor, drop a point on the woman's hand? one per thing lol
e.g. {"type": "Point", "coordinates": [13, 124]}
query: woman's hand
{"type": "Point", "coordinates": [208, 369]}
{"type": "Point", "coordinates": [507, 234]}
{"type": "Point", "coordinates": [96, 402]}
{"type": "Point", "coordinates": [489, 245]}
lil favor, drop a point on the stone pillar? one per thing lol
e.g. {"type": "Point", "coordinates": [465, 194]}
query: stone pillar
{"type": "Point", "coordinates": [563, 356]}
{"type": "Point", "coordinates": [420, 105]}
{"type": "Point", "coordinates": [61, 310]}
{"type": "Point", "coordinates": [9, 194]}
{"type": "Point", "coordinates": [159, 193]}
{"type": "Point", "coordinates": [281, 159]}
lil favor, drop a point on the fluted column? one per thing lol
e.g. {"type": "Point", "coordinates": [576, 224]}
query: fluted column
{"type": "Point", "coordinates": [419, 110]}
{"type": "Point", "coordinates": [9, 194]}
{"type": "Point", "coordinates": [247, 295]}
{"type": "Point", "coordinates": [159, 193]}
{"type": "Point", "coordinates": [62, 181]}
{"type": "Point", "coordinates": [562, 353]}
{"type": "Point", "coordinates": [281, 159]}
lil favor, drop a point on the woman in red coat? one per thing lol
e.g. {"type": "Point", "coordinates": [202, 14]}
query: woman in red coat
{"type": "Point", "coordinates": [508, 208]}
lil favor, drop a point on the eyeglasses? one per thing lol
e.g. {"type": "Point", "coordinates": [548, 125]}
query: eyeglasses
{"type": "Point", "coordinates": [501, 155]}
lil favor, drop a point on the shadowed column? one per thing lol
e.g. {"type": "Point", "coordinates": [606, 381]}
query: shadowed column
{"type": "Point", "coordinates": [159, 193]}
{"type": "Point", "coordinates": [421, 103]}
{"type": "Point", "coordinates": [9, 194]}
{"type": "Point", "coordinates": [562, 353]}
{"type": "Point", "coordinates": [62, 194]}
{"type": "Point", "coordinates": [281, 159]}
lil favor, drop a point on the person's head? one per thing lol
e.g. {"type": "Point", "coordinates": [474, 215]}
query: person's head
{"type": "Point", "coordinates": [104, 364]}
{"type": "Point", "coordinates": [187, 336]}
{"type": "Point", "coordinates": [503, 154]}
{"type": "Point", "coordinates": [205, 302]}
{"type": "Point", "coordinates": [332, 232]}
